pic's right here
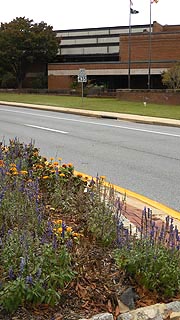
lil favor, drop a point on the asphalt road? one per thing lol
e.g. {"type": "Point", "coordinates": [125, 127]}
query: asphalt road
{"type": "Point", "coordinates": [139, 157]}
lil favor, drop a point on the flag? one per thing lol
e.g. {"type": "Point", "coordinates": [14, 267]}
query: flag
{"type": "Point", "coordinates": [156, 1]}
{"type": "Point", "coordinates": [132, 11]}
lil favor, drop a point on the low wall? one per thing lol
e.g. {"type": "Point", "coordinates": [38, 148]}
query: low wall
{"type": "Point", "coordinates": [150, 96]}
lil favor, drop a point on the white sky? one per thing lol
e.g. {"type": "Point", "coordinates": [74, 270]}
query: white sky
{"type": "Point", "coordinates": [74, 14]}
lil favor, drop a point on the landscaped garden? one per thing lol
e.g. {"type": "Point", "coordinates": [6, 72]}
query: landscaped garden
{"type": "Point", "coordinates": [63, 245]}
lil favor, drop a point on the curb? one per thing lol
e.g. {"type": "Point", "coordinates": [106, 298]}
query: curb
{"type": "Point", "coordinates": [99, 114]}
{"type": "Point", "coordinates": [146, 201]}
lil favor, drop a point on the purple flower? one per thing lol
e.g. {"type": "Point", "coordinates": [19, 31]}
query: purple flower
{"type": "Point", "coordinates": [55, 242]}
{"type": "Point", "coordinates": [29, 279]}
{"type": "Point", "coordinates": [63, 229]}
{"type": "Point", "coordinates": [22, 264]}
{"type": "Point", "coordinates": [38, 273]}
{"type": "Point", "coordinates": [49, 229]}
{"type": "Point", "coordinates": [11, 274]}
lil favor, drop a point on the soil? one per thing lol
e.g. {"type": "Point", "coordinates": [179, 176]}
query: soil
{"type": "Point", "coordinates": [96, 288]}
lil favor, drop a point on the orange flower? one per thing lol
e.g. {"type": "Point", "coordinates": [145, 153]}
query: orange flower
{"type": "Point", "coordinates": [70, 165]}
{"type": "Point", "coordinates": [69, 229]}
{"type": "Point", "coordinates": [75, 234]}
{"type": "Point", "coordinates": [1, 163]}
{"type": "Point", "coordinates": [55, 164]}
{"type": "Point", "coordinates": [45, 177]}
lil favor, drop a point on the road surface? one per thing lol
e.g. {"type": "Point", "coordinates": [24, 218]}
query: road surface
{"type": "Point", "coordinates": [139, 157]}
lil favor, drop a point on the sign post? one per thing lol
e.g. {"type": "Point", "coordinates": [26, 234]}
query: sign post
{"type": "Point", "coordinates": [82, 77]}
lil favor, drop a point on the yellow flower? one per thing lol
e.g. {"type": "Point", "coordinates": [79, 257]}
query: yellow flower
{"type": "Point", "coordinates": [55, 164]}
{"type": "Point", "coordinates": [53, 209]}
{"type": "Point", "coordinates": [102, 177]}
{"type": "Point", "coordinates": [12, 165]}
{"type": "Point", "coordinates": [59, 221]}
{"type": "Point", "coordinates": [62, 175]}
{"type": "Point", "coordinates": [13, 169]}
{"type": "Point", "coordinates": [60, 159]}
{"type": "Point", "coordinates": [23, 172]}
{"type": "Point", "coordinates": [69, 229]}
{"type": "Point", "coordinates": [51, 158]}
{"type": "Point", "coordinates": [15, 173]}
{"type": "Point", "coordinates": [45, 177]}
{"type": "Point", "coordinates": [59, 230]}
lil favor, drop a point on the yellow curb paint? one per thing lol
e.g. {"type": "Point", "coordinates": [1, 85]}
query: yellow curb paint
{"type": "Point", "coordinates": [173, 213]}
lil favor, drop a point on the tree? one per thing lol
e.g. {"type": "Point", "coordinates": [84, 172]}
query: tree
{"type": "Point", "coordinates": [23, 43]}
{"type": "Point", "coordinates": [171, 77]}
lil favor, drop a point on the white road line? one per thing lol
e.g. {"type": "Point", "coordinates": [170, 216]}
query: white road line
{"type": "Point", "coordinates": [95, 123]}
{"type": "Point", "coordinates": [44, 128]}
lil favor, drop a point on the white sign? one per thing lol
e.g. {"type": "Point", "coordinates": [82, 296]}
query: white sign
{"type": "Point", "coordinates": [82, 76]}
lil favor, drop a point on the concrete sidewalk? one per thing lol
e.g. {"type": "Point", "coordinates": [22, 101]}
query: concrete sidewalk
{"type": "Point", "coordinates": [134, 200]}
{"type": "Point", "coordinates": [100, 114]}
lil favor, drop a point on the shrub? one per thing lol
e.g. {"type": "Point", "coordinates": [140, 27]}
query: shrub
{"type": "Point", "coordinates": [8, 80]}
{"type": "Point", "coordinates": [152, 259]}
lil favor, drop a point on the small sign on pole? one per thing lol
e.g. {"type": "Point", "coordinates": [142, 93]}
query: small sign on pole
{"type": "Point", "coordinates": [82, 77]}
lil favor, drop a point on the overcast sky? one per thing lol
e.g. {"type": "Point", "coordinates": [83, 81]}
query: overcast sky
{"type": "Point", "coordinates": [74, 14]}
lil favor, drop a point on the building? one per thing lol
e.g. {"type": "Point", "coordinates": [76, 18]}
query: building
{"type": "Point", "coordinates": [116, 57]}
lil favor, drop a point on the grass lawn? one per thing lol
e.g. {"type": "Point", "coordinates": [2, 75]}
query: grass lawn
{"type": "Point", "coordinates": [98, 104]}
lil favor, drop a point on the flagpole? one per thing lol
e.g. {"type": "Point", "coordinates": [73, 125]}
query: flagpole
{"type": "Point", "coordinates": [150, 44]}
{"type": "Point", "coordinates": [129, 48]}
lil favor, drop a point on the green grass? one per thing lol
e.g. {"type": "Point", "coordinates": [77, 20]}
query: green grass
{"type": "Point", "coordinates": [97, 104]}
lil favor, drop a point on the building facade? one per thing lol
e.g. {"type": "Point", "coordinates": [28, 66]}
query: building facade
{"type": "Point", "coordinates": [116, 57]}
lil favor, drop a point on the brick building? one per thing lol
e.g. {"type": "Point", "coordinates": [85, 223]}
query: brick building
{"type": "Point", "coordinates": [116, 57]}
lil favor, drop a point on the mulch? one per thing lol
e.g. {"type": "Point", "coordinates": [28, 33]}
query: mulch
{"type": "Point", "coordinates": [95, 289]}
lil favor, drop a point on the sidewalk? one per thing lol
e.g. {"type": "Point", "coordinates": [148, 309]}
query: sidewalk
{"type": "Point", "coordinates": [135, 202]}
{"type": "Point", "coordinates": [99, 114]}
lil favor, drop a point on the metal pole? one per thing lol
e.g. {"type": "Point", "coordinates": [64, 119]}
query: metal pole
{"type": "Point", "coordinates": [149, 61]}
{"type": "Point", "coordinates": [82, 92]}
{"type": "Point", "coordinates": [129, 49]}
